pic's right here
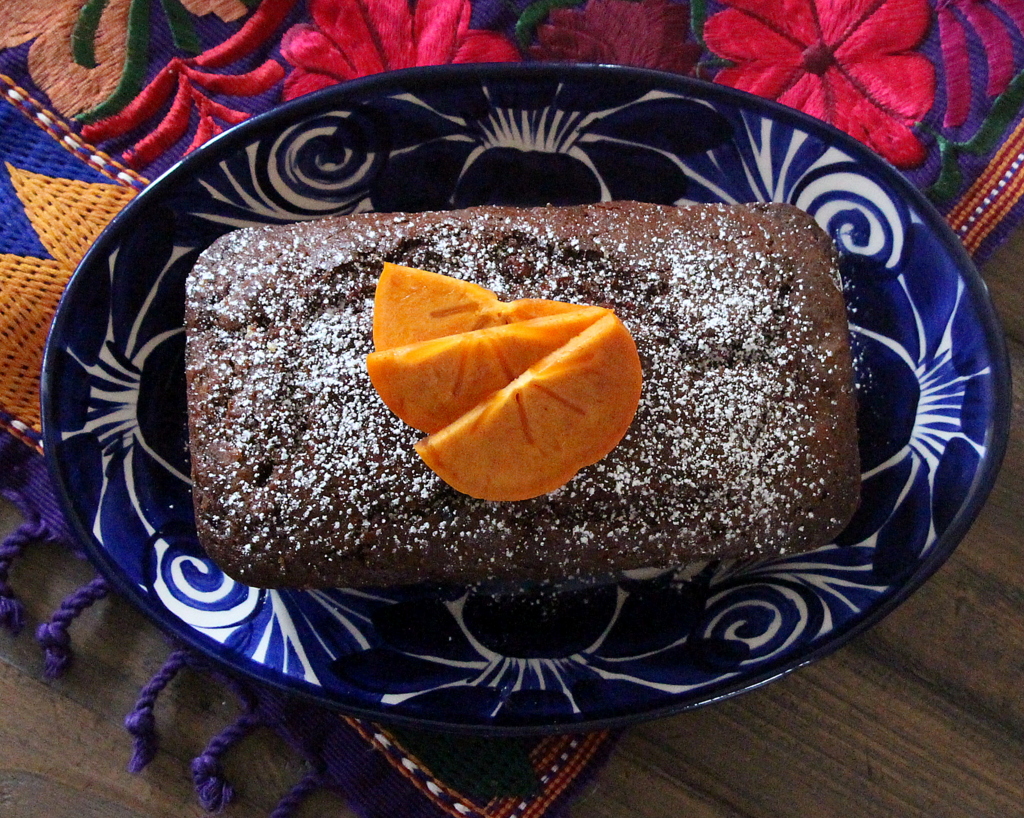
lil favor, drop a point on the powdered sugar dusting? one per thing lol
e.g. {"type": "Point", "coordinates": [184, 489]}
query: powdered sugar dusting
{"type": "Point", "coordinates": [302, 472]}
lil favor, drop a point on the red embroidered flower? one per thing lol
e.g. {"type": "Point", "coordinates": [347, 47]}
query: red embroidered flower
{"type": "Point", "coordinates": [353, 38]}
{"type": "Point", "coordinates": [849, 63]}
{"type": "Point", "coordinates": [648, 34]}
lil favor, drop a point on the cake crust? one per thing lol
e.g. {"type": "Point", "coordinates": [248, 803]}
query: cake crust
{"type": "Point", "coordinates": [744, 444]}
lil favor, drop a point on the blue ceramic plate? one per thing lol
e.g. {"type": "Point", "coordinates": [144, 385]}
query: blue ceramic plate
{"type": "Point", "coordinates": [932, 375]}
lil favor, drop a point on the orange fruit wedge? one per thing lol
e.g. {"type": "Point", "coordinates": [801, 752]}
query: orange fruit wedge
{"type": "Point", "coordinates": [563, 413]}
{"type": "Point", "coordinates": [415, 305]}
{"type": "Point", "coordinates": [432, 383]}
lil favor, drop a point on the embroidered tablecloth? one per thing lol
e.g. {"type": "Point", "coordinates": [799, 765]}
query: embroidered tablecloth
{"type": "Point", "coordinates": [100, 96]}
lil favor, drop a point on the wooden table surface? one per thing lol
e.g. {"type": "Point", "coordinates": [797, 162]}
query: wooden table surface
{"type": "Point", "coordinates": [921, 716]}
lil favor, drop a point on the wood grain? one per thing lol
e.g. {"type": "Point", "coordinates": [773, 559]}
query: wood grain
{"type": "Point", "coordinates": [921, 716]}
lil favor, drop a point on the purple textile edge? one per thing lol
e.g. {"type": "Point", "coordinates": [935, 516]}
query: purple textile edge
{"type": "Point", "coordinates": [25, 481]}
{"type": "Point", "coordinates": [360, 772]}
{"type": "Point", "coordinates": [350, 767]}
{"type": "Point", "coordinates": [347, 764]}
{"type": "Point", "coordinates": [341, 758]}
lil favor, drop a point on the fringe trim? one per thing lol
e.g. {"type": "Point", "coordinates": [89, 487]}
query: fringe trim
{"type": "Point", "coordinates": [53, 635]}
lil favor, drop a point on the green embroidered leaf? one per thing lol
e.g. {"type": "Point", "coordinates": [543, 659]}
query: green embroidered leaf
{"type": "Point", "coordinates": [950, 177]}
{"type": "Point", "coordinates": [134, 73]}
{"type": "Point", "coordinates": [1004, 110]}
{"type": "Point", "coordinates": [535, 13]}
{"type": "Point", "coordinates": [716, 62]}
{"type": "Point", "coordinates": [83, 36]}
{"type": "Point", "coordinates": [698, 15]}
{"type": "Point", "coordinates": [182, 30]}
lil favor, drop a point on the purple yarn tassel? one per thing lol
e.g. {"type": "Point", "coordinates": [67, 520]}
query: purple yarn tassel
{"type": "Point", "coordinates": [212, 789]}
{"type": "Point", "coordinates": [140, 722]}
{"type": "Point", "coordinates": [286, 806]}
{"type": "Point", "coordinates": [12, 612]}
{"type": "Point", "coordinates": [53, 635]}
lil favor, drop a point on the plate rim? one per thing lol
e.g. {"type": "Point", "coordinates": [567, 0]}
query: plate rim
{"type": "Point", "coordinates": [996, 433]}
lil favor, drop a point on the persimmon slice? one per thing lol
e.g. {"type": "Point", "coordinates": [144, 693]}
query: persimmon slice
{"type": "Point", "coordinates": [432, 383]}
{"type": "Point", "coordinates": [565, 412]}
{"type": "Point", "coordinates": [413, 305]}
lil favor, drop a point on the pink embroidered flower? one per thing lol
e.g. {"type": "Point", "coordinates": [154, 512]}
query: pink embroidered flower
{"type": "Point", "coordinates": [851, 64]}
{"type": "Point", "coordinates": [993, 31]}
{"type": "Point", "coordinates": [648, 34]}
{"type": "Point", "coordinates": [353, 38]}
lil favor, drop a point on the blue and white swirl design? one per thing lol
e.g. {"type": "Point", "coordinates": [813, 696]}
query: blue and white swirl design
{"type": "Point", "coordinates": [782, 163]}
{"type": "Point", "coordinates": [855, 210]}
{"type": "Point", "coordinates": [923, 379]}
{"type": "Point", "coordinates": [320, 167]}
{"type": "Point", "coordinates": [197, 592]}
{"type": "Point", "coordinates": [763, 611]}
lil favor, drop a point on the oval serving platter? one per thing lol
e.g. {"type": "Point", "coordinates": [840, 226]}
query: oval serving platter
{"type": "Point", "coordinates": [932, 386]}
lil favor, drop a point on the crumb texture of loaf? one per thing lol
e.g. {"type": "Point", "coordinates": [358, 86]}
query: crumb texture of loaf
{"type": "Point", "coordinates": [744, 444]}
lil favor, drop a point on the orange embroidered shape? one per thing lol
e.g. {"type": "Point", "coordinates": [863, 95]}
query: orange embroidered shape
{"type": "Point", "coordinates": [67, 215]}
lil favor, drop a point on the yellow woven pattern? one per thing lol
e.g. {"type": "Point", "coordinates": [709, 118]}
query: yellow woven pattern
{"type": "Point", "coordinates": [29, 291]}
{"type": "Point", "coordinates": [67, 215]}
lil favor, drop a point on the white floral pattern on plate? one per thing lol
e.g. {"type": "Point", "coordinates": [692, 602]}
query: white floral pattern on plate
{"type": "Point", "coordinates": [931, 384]}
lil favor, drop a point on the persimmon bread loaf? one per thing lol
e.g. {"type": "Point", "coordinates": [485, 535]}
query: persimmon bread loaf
{"type": "Point", "coordinates": [743, 445]}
